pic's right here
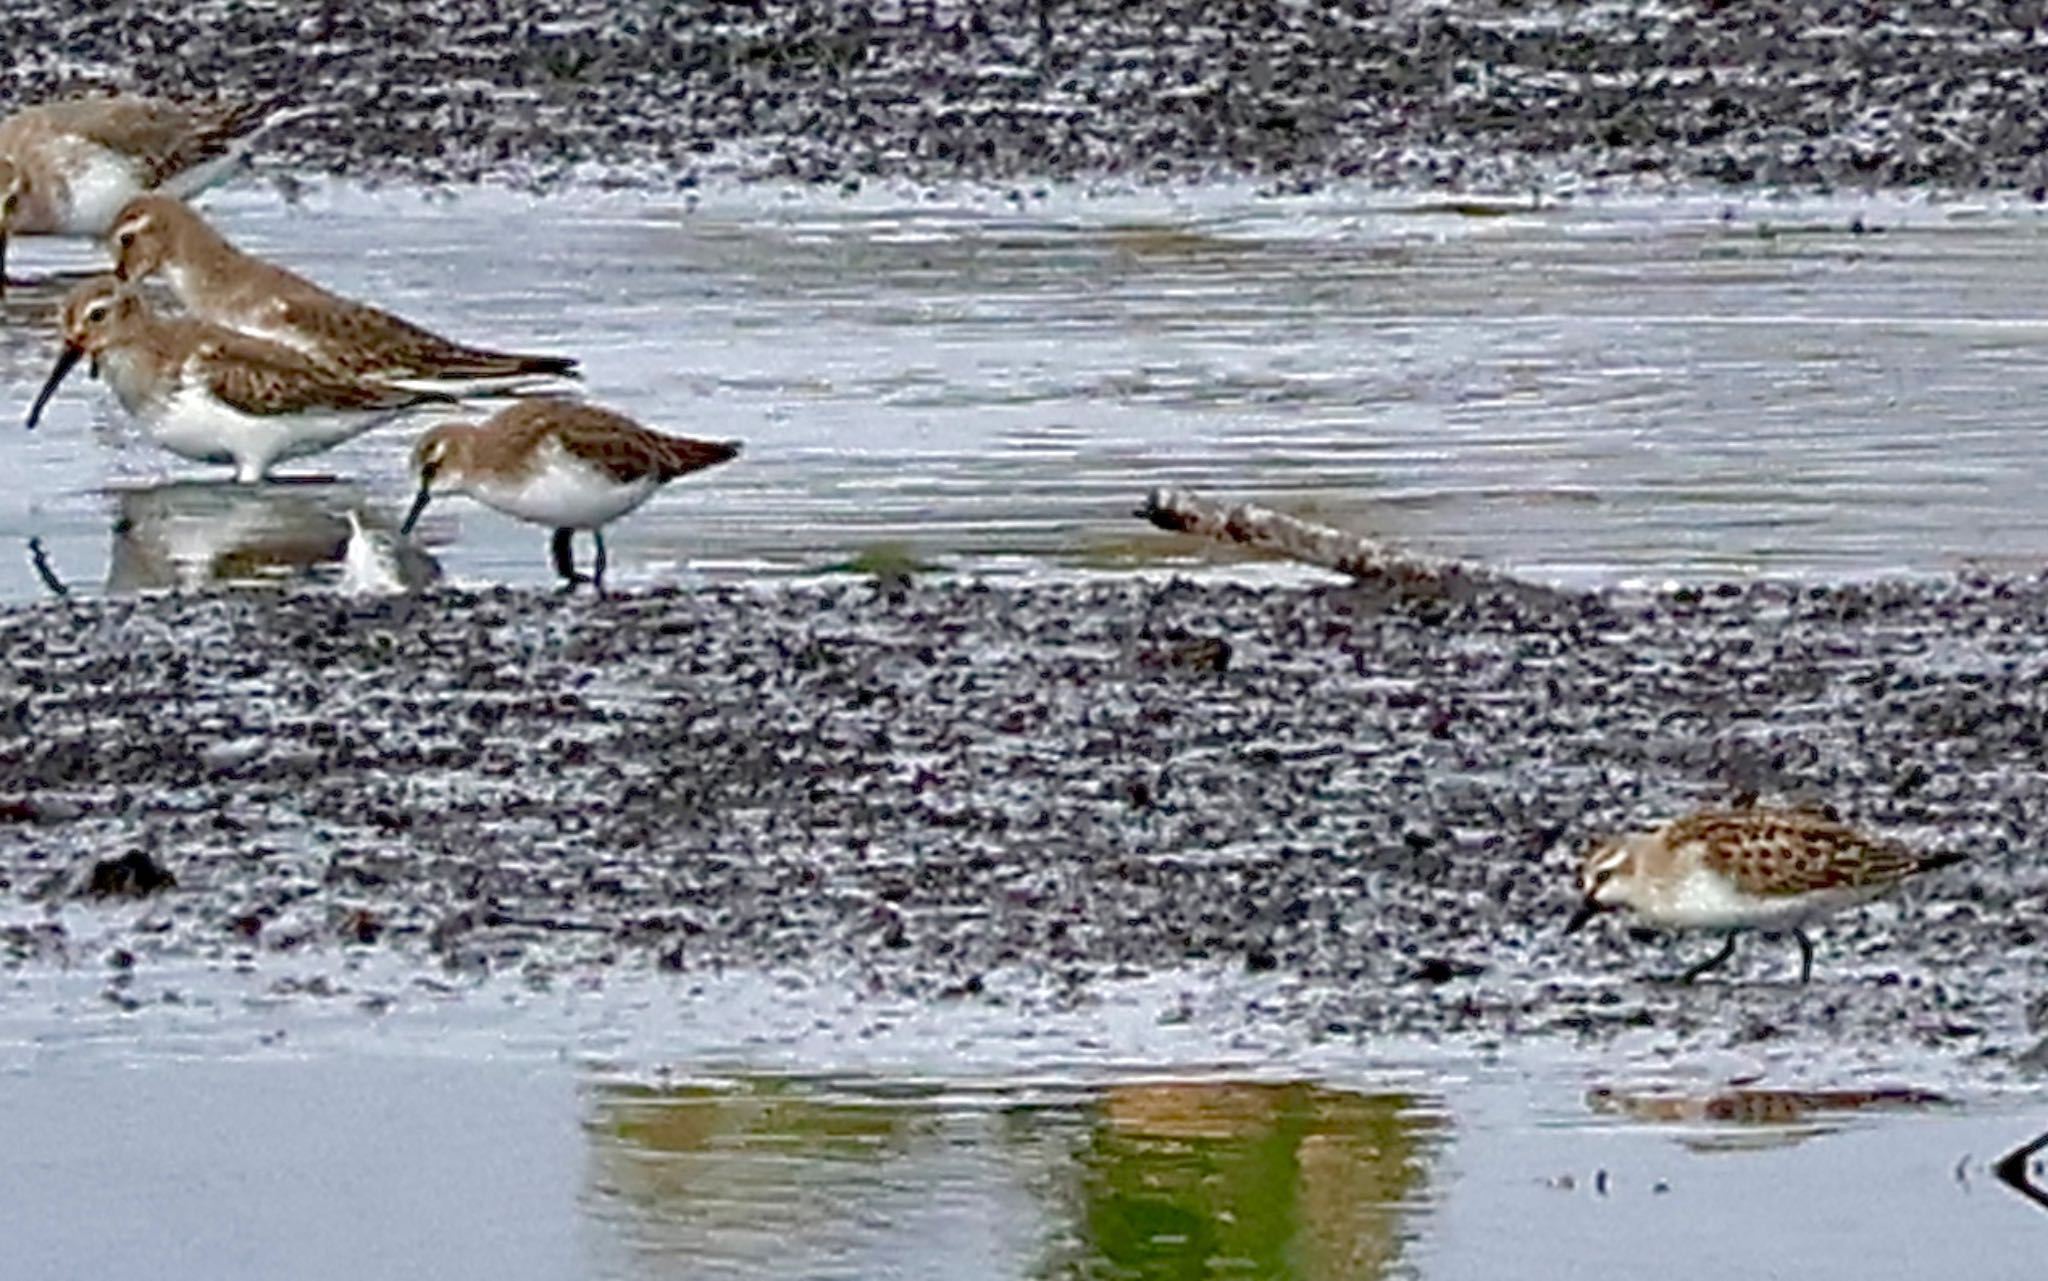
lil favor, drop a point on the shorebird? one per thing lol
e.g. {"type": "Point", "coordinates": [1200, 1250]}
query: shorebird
{"type": "Point", "coordinates": [374, 563]}
{"type": "Point", "coordinates": [214, 395]}
{"type": "Point", "coordinates": [157, 234]}
{"type": "Point", "coordinates": [66, 168]}
{"type": "Point", "coordinates": [1765, 869]}
{"type": "Point", "coordinates": [557, 463]}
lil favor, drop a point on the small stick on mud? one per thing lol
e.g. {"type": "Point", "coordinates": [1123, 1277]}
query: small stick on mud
{"type": "Point", "coordinates": [1361, 558]}
{"type": "Point", "coordinates": [40, 559]}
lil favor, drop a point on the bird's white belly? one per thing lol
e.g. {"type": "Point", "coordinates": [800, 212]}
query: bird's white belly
{"type": "Point", "coordinates": [1704, 901]}
{"type": "Point", "coordinates": [95, 191]}
{"type": "Point", "coordinates": [192, 424]}
{"type": "Point", "coordinates": [563, 494]}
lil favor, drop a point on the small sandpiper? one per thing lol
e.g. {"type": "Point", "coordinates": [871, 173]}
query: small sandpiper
{"type": "Point", "coordinates": [66, 168]}
{"type": "Point", "coordinates": [557, 463]}
{"type": "Point", "coordinates": [218, 282]}
{"type": "Point", "coordinates": [1771, 870]}
{"type": "Point", "coordinates": [214, 395]}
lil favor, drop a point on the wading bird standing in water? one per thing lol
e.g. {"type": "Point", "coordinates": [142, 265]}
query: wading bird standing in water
{"type": "Point", "coordinates": [560, 464]}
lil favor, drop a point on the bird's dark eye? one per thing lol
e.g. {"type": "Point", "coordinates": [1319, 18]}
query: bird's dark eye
{"type": "Point", "coordinates": [96, 312]}
{"type": "Point", "coordinates": [126, 239]}
{"type": "Point", "coordinates": [1602, 876]}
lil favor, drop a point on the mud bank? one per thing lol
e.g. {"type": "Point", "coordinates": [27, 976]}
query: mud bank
{"type": "Point", "coordinates": [1009, 792]}
{"type": "Point", "coordinates": [1469, 95]}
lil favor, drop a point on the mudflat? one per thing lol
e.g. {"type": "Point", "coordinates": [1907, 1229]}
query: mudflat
{"type": "Point", "coordinates": [1468, 95]}
{"type": "Point", "coordinates": [1009, 791]}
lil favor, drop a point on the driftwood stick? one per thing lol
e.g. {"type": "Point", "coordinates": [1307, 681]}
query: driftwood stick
{"type": "Point", "coordinates": [1354, 555]}
{"type": "Point", "coordinates": [40, 560]}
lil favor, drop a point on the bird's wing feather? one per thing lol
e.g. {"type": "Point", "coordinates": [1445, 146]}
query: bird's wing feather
{"type": "Point", "coordinates": [627, 450]}
{"type": "Point", "coordinates": [615, 444]}
{"type": "Point", "coordinates": [370, 340]}
{"type": "Point", "coordinates": [164, 138]}
{"type": "Point", "coordinates": [1781, 853]}
{"type": "Point", "coordinates": [265, 378]}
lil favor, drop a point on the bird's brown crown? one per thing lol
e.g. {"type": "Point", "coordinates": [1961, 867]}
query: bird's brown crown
{"type": "Point", "coordinates": [443, 450]}
{"type": "Point", "coordinates": [1609, 858]}
{"type": "Point", "coordinates": [98, 312]}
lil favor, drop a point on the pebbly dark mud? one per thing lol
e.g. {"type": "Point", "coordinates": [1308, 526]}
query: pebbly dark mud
{"type": "Point", "coordinates": [1013, 792]}
{"type": "Point", "coordinates": [1467, 95]}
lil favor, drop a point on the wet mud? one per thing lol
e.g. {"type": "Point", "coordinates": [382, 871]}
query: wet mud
{"type": "Point", "coordinates": [1467, 95]}
{"type": "Point", "coordinates": [1011, 792]}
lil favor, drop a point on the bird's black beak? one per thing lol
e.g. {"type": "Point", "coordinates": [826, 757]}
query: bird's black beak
{"type": "Point", "coordinates": [65, 360]}
{"type": "Point", "coordinates": [1589, 909]}
{"type": "Point", "coordinates": [419, 505]}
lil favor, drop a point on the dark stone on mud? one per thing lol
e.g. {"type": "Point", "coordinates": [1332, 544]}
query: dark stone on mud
{"type": "Point", "coordinates": [1442, 969]}
{"type": "Point", "coordinates": [360, 927]}
{"type": "Point", "coordinates": [40, 809]}
{"type": "Point", "coordinates": [1210, 654]}
{"type": "Point", "coordinates": [132, 875]}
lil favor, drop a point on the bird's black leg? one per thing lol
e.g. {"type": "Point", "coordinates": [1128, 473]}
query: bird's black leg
{"type": "Point", "coordinates": [597, 566]}
{"type": "Point", "coordinates": [1718, 958]}
{"type": "Point", "coordinates": [565, 557]}
{"type": "Point", "coordinates": [1805, 955]}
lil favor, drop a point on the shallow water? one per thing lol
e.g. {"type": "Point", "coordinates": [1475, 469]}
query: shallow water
{"type": "Point", "coordinates": [1600, 391]}
{"type": "Point", "coordinates": [750, 1126]}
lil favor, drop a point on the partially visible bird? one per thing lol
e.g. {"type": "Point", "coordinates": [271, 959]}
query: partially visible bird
{"type": "Point", "coordinates": [67, 168]}
{"type": "Point", "coordinates": [376, 563]}
{"type": "Point", "coordinates": [158, 235]}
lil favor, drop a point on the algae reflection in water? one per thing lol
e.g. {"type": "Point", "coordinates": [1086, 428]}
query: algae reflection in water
{"type": "Point", "coordinates": [782, 1176]}
{"type": "Point", "coordinates": [1268, 1180]}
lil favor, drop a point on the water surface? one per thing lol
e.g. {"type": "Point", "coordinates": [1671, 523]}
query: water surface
{"type": "Point", "coordinates": [1589, 392]}
{"type": "Point", "coordinates": [285, 1116]}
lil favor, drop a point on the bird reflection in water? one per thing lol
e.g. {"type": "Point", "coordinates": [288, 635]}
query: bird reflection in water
{"type": "Point", "coordinates": [1742, 1116]}
{"type": "Point", "coordinates": [195, 534]}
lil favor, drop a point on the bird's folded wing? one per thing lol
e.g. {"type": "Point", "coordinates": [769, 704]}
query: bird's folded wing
{"type": "Point", "coordinates": [360, 338]}
{"type": "Point", "coordinates": [163, 138]}
{"type": "Point", "coordinates": [266, 378]}
{"type": "Point", "coordinates": [1791, 853]}
{"type": "Point", "coordinates": [629, 452]}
